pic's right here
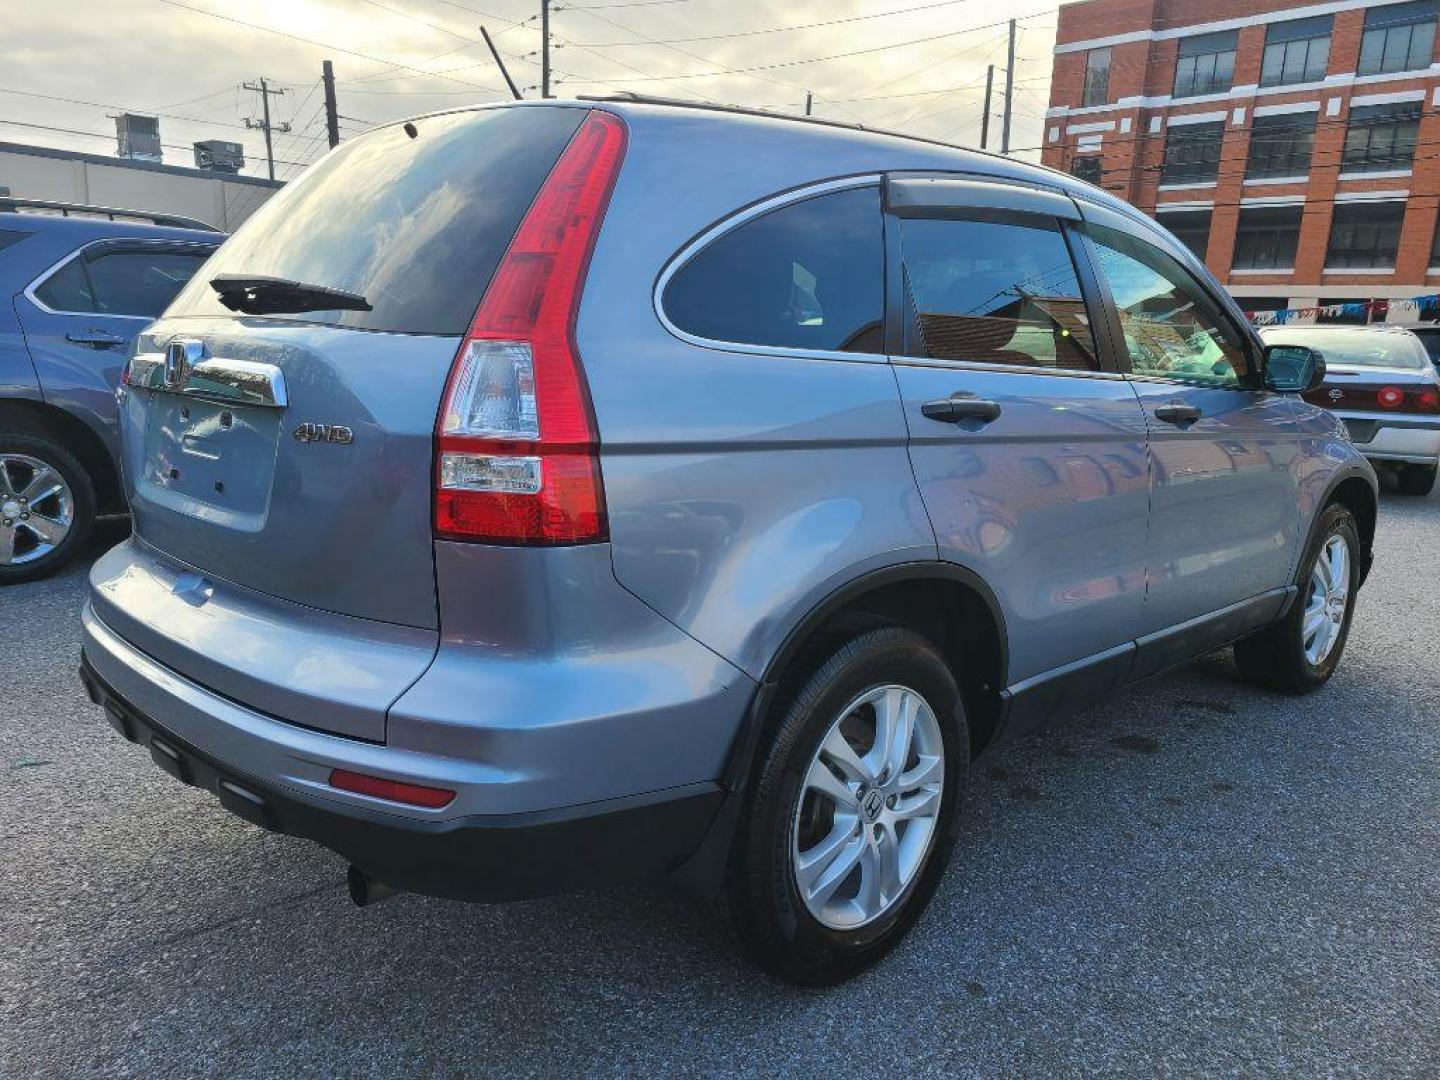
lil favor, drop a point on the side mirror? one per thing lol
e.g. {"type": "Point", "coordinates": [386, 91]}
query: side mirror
{"type": "Point", "coordinates": [1293, 369]}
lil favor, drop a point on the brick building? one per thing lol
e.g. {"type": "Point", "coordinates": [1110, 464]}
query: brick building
{"type": "Point", "coordinates": [1295, 145]}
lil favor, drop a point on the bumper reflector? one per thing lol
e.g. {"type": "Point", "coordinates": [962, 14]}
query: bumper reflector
{"type": "Point", "coordinates": [394, 790]}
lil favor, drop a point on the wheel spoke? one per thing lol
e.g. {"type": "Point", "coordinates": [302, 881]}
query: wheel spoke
{"type": "Point", "coordinates": [837, 750]}
{"type": "Point", "coordinates": [920, 804]}
{"type": "Point", "coordinates": [871, 897]}
{"type": "Point", "coordinates": [7, 540]}
{"type": "Point", "coordinates": [1339, 568]}
{"type": "Point", "coordinates": [894, 725]}
{"type": "Point", "coordinates": [44, 483]}
{"type": "Point", "coordinates": [46, 530]}
{"type": "Point", "coordinates": [928, 770]}
{"type": "Point", "coordinates": [824, 868]}
{"type": "Point", "coordinates": [6, 487]}
{"type": "Point", "coordinates": [888, 850]}
{"type": "Point", "coordinates": [821, 779]}
{"type": "Point", "coordinates": [1314, 621]}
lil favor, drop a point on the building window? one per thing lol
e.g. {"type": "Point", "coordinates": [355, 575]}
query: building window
{"type": "Point", "coordinates": [1281, 146]}
{"type": "Point", "coordinates": [1398, 37]}
{"type": "Point", "coordinates": [1365, 235]}
{"type": "Point", "coordinates": [1267, 237]}
{"type": "Point", "coordinates": [1206, 64]}
{"type": "Point", "coordinates": [1190, 227]}
{"type": "Point", "coordinates": [1381, 138]}
{"type": "Point", "coordinates": [1297, 51]}
{"type": "Point", "coordinates": [1192, 153]}
{"type": "Point", "coordinates": [1087, 169]}
{"type": "Point", "coordinates": [1435, 246]}
{"type": "Point", "coordinates": [1097, 77]}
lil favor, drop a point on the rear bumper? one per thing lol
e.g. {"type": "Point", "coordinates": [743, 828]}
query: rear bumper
{"type": "Point", "coordinates": [1382, 437]}
{"type": "Point", "coordinates": [489, 857]}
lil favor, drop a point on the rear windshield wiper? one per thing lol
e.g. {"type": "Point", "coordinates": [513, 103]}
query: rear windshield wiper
{"type": "Point", "coordinates": [274, 296]}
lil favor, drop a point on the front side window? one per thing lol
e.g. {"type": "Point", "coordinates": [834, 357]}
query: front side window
{"type": "Point", "coordinates": [1365, 235]}
{"type": "Point", "coordinates": [1398, 37]}
{"type": "Point", "coordinates": [1097, 77]}
{"type": "Point", "coordinates": [1267, 237]}
{"type": "Point", "coordinates": [1192, 153]}
{"type": "Point", "coordinates": [1087, 169]}
{"type": "Point", "coordinates": [1173, 328]}
{"type": "Point", "coordinates": [1281, 146]}
{"type": "Point", "coordinates": [1381, 138]}
{"type": "Point", "coordinates": [995, 293]}
{"type": "Point", "coordinates": [809, 275]}
{"type": "Point", "coordinates": [1191, 228]}
{"type": "Point", "coordinates": [1297, 51]}
{"type": "Point", "coordinates": [1206, 64]}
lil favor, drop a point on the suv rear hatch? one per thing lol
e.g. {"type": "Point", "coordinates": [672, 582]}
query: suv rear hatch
{"type": "Point", "coordinates": [279, 434]}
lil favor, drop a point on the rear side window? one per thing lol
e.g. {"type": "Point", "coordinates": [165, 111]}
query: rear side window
{"type": "Point", "coordinates": [140, 282]}
{"type": "Point", "coordinates": [416, 224]}
{"type": "Point", "coordinates": [68, 289]}
{"type": "Point", "coordinates": [994, 293]}
{"type": "Point", "coordinates": [809, 275]}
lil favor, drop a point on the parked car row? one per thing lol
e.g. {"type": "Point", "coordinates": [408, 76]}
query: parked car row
{"type": "Point", "coordinates": [78, 289]}
{"type": "Point", "coordinates": [626, 512]}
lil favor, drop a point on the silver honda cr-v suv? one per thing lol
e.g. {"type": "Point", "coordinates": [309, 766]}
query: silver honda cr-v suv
{"type": "Point", "coordinates": [538, 496]}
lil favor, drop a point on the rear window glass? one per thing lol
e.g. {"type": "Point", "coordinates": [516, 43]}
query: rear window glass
{"type": "Point", "coordinates": [68, 289]}
{"type": "Point", "coordinates": [416, 225]}
{"type": "Point", "coordinates": [806, 276]}
{"type": "Point", "coordinates": [1356, 348]}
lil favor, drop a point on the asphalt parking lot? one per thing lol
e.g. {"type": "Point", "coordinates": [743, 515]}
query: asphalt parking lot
{"type": "Point", "coordinates": [1196, 878]}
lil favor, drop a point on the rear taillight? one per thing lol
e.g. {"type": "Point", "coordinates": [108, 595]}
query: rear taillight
{"type": "Point", "coordinates": [1427, 401]}
{"type": "Point", "coordinates": [1390, 397]}
{"type": "Point", "coordinates": [517, 452]}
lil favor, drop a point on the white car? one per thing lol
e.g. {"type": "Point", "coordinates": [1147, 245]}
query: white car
{"type": "Point", "coordinates": [1380, 381]}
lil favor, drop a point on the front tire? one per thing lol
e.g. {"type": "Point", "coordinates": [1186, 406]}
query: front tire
{"type": "Point", "coordinates": [47, 506]}
{"type": "Point", "coordinates": [1300, 652]}
{"type": "Point", "coordinates": [852, 812]}
{"type": "Point", "coordinates": [1417, 479]}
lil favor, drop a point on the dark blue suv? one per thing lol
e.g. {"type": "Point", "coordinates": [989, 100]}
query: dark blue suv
{"type": "Point", "coordinates": [78, 284]}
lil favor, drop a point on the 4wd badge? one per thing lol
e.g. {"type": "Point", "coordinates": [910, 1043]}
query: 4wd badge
{"type": "Point", "coordinates": [327, 433]}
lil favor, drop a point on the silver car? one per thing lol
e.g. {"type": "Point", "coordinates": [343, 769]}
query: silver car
{"type": "Point", "coordinates": [539, 496]}
{"type": "Point", "coordinates": [1379, 380]}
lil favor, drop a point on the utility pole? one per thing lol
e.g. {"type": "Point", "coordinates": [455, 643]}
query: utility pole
{"type": "Point", "coordinates": [985, 116]}
{"type": "Point", "coordinates": [1009, 92]}
{"type": "Point", "coordinates": [264, 125]}
{"type": "Point", "coordinates": [332, 114]}
{"type": "Point", "coordinates": [544, 48]}
{"type": "Point", "coordinates": [807, 102]}
{"type": "Point", "coordinates": [514, 90]}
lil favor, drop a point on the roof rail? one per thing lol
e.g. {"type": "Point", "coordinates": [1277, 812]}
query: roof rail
{"type": "Point", "coordinates": [18, 204]}
{"type": "Point", "coordinates": [743, 110]}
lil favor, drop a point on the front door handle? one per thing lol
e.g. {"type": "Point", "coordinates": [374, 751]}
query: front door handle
{"type": "Point", "coordinates": [958, 407]}
{"type": "Point", "coordinates": [1178, 413]}
{"type": "Point", "coordinates": [97, 339]}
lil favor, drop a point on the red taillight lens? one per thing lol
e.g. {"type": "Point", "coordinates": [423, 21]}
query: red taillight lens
{"type": "Point", "coordinates": [1428, 401]}
{"type": "Point", "coordinates": [1390, 397]}
{"type": "Point", "coordinates": [517, 450]}
{"type": "Point", "coordinates": [431, 798]}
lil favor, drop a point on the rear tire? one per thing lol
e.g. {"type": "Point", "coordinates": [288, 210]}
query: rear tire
{"type": "Point", "coordinates": [47, 506]}
{"type": "Point", "coordinates": [837, 853]}
{"type": "Point", "coordinates": [1417, 479]}
{"type": "Point", "coordinates": [1299, 653]}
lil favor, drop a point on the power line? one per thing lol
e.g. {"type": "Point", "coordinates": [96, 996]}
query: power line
{"type": "Point", "coordinates": [325, 45]}
{"type": "Point", "coordinates": [107, 136]}
{"type": "Point", "coordinates": [122, 108]}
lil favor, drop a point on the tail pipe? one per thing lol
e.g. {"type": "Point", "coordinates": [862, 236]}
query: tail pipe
{"type": "Point", "coordinates": [364, 889]}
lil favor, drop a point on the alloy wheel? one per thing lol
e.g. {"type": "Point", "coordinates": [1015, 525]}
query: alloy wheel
{"type": "Point", "coordinates": [1328, 598]}
{"type": "Point", "coordinates": [37, 509]}
{"type": "Point", "coordinates": [869, 807]}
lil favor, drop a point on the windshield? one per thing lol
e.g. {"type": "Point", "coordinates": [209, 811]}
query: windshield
{"type": "Point", "coordinates": [413, 218]}
{"type": "Point", "coordinates": [1356, 348]}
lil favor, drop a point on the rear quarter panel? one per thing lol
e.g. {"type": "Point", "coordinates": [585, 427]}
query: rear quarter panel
{"type": "Point", "coordinates": [743, 488]}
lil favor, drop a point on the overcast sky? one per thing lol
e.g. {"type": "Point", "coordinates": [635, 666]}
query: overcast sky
{"type": "Point", "coordinates": [919, 70]}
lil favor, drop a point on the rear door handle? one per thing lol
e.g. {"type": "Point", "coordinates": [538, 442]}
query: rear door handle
{"type": "Point", "coordinates": [1176, 413]}
{"type": "Point", "coordinates": [958, 407]}
{"type": "Point", "coordinates": [99, 339]}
